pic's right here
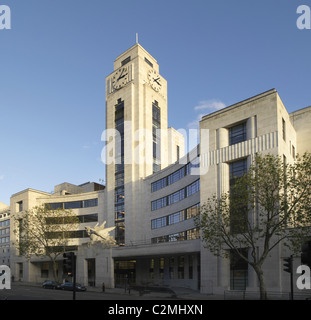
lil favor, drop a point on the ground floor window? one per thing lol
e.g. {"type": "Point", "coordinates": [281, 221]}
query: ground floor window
{"type": "Point", "coordinates": [238, 271]}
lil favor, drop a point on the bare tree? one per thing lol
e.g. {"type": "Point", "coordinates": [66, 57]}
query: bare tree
{"type": "Point", "coordinates": [269, 205]}
{"type": "Point", "coordinates": [43, 231]}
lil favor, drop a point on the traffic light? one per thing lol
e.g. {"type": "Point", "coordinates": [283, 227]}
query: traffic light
{"type": "Point", "coordinates": [68, 263]}
{"type": "Point", "coordinates": [306, 254]}
{"type": "Point", "coordinates": [288, 265]}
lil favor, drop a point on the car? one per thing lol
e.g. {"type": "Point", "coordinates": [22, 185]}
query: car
{"type": "Point", "coordinates": [50, 285]}
{"type": "Point", "coordinates": [69, 286]}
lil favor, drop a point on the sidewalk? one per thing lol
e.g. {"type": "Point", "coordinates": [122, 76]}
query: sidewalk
{"type": "Point", "coordinates": [181, 293]}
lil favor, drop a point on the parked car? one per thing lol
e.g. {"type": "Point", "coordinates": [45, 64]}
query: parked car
{"type": "Point", "coordinates": [69, 286]}
{"type": "Point", "coordinates": [50, 285]}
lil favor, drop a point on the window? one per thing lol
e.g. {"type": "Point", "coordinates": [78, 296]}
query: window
{"type": "Point", "coordinates": [193, 211]}
{"type": "Point", "coordinates": [175, 176]}
{"type": "Point", "coordinates": [176, 217]}
{"type": "Point", "coordinates": [176, 196]}
{"type": "Point", "coordinates": [193, 188]}
{"type": "Point", "coordinates": [156, 125]}
{"type": "Point", "coordinates": [90, 218]}
{"type": "Point", "coordinates": [90, 203]}
{"type": "Point", "coordinates": [159, 203]}
{"type": "Point", "coordinates": [149, 62]}
{"type": "Point", "coordinates": [54, 206]}
{"type": "Point", "coordinates": [237, 169]}
{"type": "Point", "coordinates": [294, 152]}
{"type": "Point", "coordinates": [238, 203]}
{"type": "Point", "coordinates": [159, 184]}
{"type": "Point", "coordinates": [125, 61]}
{"type": "Point", "coordinates": [181, 267]}
{"type": "Point", "coordinates": [177, 152]}
{"type": "Point", "coordinates": [283, 129]}
{"type": "Point", "coordinates": [237, 133]}
{"type": "Point", "coordinates": [171, 268]}
{"type": "Point", "coordinates": [73, 205]}
{"type": "Point", "coordinates": [19, 206]}
{"type": "Point", "coordinates": [190, 265]}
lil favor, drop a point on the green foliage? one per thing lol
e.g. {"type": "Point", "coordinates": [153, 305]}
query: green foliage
{"type": "Point", "coordinates": [269, 205]}
{"type": "Point", "coordinates": [42, 232]}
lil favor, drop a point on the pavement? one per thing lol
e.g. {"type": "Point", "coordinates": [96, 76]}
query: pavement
{"type": "Point", "coordinates": [181, 293]}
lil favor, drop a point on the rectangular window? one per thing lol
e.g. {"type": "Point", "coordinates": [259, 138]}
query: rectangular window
{"type": "Point", "coordinates": [193, 188]}
{"type": "Point", "coordinates": [159, 184]}
{"type": "Point", "coordinates": [193, 211]}
{"type": "Point", "coordinates": [125, 61]}
{"type": "Point", "coordinates": [176, 217]}
{"type": "Point", "coordinates": [149, 62]}
{"type": "Point", "coordinates": [19, 206]}
{"type": "Point", "coordinates": [181, 267]}
{"type": "Point", "coordinates": [90, 203]}
{"type": "Point", "coordinates": [237, 169]}
{"type": "Point", "coordinates": [90, 218]}
{"type": "Point", "coordinates": [176, 196]}
{"type": "Point", "coordinates": [54, 206]}
{"type": "Point", "coordinates": [73, 205]}
{"type": "Point", "coordinates": [175, 176]}
{"type": "Point", "coordinates": [283, 129]}
{"type": "Point", "coordinates": [237, 133]}
{"type": "Point", "coordinates": [159, 203]}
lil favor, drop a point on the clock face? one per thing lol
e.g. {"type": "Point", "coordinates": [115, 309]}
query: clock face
{"type": "Point", "coordinates": [154, 80]}
{"type": "Point", "coordinates": [120, 78]}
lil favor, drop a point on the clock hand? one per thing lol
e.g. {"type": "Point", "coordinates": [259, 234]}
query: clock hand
{"type": "Point", "coordinates": [122, 76]}
{"type": "Point", "coordinates": [156, 80]}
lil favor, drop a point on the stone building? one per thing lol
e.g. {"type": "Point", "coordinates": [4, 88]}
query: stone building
{"type": "Point", "coordinates": [154, 188]}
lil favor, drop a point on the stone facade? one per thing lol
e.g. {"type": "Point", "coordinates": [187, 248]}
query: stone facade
{"type": "Point", "coordinates": [153, 205]}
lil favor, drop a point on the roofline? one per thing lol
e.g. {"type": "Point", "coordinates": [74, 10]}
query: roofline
{"type": "Point", "coordinates": [238, 104]}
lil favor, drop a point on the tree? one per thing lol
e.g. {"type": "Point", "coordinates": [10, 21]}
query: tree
{"type": "Point", "coordinates": [43, 231]}
{"type": "Point", "coordinates": [267, 206]}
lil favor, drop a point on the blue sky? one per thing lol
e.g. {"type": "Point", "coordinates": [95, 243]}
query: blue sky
{"type": "Point", "coordinates": [55, 58]}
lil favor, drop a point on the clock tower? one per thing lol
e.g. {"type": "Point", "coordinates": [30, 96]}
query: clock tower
{"type": "Point", "coordinates": [136, 110]}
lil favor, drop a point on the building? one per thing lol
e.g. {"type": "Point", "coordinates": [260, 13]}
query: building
{"type": "Point", "coordinates": [154, 190]}
{"type": "Point", "coordinates": [4, 234]}
{"type": "Point", "coordinates": [86, 201]}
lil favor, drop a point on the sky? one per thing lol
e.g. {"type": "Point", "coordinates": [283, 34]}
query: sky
{"type": "Point", "coordinates": [57, 54]}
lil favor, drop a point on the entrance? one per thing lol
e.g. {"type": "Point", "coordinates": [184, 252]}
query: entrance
{"type": "Point", "coordinates": [124, 273]}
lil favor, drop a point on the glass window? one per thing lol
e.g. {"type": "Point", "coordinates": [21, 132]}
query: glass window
{"type": "Point", "coordinates": [283, 129]}
{"type": "Point", "coordinates": [54, 206]}
{"type": "Point", "coordinates": [193, 211]}
{"type": "Point", "coordinates": [237, 133]}
{"type": "Point", "coordinates": [193, 188]}
{"type": "Point", "coordinates": [159, 203]}
{"type": "Point", "coordinates": [73, 205]}
{"type": "Point", "coordinates": [237, 169]}
{"type": "Point", "coordinates": [176, 196]}
{"type": "Point", "coordinates": [90, 218]}
{"type": "Point", "coordinates": [90, 203]}
{"type": "Point", "coordinates": [159, 184]}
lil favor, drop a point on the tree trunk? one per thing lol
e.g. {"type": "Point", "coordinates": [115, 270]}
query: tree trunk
{"type": "Point", "coordinates": [262, 285]}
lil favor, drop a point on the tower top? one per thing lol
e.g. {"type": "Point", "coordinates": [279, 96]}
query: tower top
{"type": "Point", "coordinates": [134, 52]}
